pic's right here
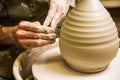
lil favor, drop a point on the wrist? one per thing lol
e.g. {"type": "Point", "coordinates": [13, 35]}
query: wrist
{"type": "Point", "coordinates": [8, 36]}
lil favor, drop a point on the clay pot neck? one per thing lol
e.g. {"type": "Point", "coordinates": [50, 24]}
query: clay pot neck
{"type": "Point", "coordinates": [89, 5]}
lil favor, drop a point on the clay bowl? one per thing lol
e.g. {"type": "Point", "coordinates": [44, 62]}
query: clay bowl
{"type": "Point", "coordinates": [22, 66]}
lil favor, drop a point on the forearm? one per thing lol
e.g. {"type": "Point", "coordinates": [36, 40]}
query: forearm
{"type": "Point", "coordinates": [7, 36]}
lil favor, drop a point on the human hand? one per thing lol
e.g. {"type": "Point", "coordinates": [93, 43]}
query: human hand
{"type": "Point", "coordinates": [33, 34]}
{"type": "Point", "coordinates": [58, 10]}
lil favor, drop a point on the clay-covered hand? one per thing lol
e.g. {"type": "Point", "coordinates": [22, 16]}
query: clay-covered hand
{"type": "Point", "coordinates": [58, 10]}
{"type": "Point", "coordinates": [33, 34]}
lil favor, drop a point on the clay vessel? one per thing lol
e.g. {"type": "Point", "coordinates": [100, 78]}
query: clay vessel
{"type": "Point", "coordinates": [88, 37]}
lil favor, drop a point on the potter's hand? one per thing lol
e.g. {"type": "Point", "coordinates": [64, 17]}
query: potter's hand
{"type": "Point", "coordinates": [33, 34]}
{"type": "Point", "coordinates": [58, 10]}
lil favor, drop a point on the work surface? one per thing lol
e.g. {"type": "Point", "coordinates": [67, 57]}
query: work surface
{"type": "Point", "coordinates": [54, 68]}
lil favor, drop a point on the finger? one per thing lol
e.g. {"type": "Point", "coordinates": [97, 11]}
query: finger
{"type": "Point", "coordinates": [51, 13]}
{"type": "Point", "coordinates": [47, 30]}
{"type": "Point", "coordinates": [35, 27]}
{"type": "Point", "coordinates": [46, 36]}
{"type": "Point", "coordinates": [22, 34]}
{"type": "Point", "coordinates": [30, 43]}
{"type": "Point", "coordinates": [36, 23]}
{"type": "Point", "coordinates": [29, 26]}
{"type": "Point", "coordinates": [58, 16]}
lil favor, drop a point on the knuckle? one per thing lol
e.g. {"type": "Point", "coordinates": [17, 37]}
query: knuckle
{"type": "Point", "coordinates": [18, 33]}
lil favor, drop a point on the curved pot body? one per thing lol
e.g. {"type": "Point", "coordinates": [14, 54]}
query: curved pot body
{"type": "Point", "coordinates": [88, 37]}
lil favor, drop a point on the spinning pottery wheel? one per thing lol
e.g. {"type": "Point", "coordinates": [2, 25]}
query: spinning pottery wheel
{"type": "Point", "coordinates": [50, 65]}
{"type": "Point", "coordinates": [54, 68]}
